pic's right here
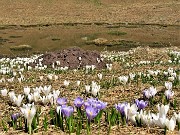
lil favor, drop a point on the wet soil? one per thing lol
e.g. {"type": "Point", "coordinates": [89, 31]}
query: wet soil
{"type": "Point", "coordinates": [58, 37]}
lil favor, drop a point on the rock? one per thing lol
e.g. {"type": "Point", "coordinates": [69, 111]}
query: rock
{"type": "Point", "coordinates": [84, 38]}
{"type": "Point", "coordinates": [21, 47]}
{"type": "Point", "coordinates": [100, 41]}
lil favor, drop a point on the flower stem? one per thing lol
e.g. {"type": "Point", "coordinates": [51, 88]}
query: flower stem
{"type": "Point", "coordinates": [30, 129]}
{"type": "Point", "coordinates": [165, 130]}
{"type": "Point", "coordinates": [88, 127]}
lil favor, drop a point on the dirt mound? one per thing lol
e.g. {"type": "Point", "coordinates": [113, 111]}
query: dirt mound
{"type": "Point", "coordinates": [73, 58]}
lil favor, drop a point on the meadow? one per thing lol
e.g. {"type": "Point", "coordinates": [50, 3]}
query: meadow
{"type": "Point", "coordinates": [136, 93]}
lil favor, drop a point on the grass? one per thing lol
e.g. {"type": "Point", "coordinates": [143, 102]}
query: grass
{"type": "Point", "coordinates": [96, 2]}
{"type": "Point", "coordinates": [91, 36]}
{"type": "Point", "coordinates": [3, 40]}
{"type": "Point", "coordinates": [13, 36]}
{"type": "Point", "coordinates": [55, 39]}
{"type": "Point", "coordinates": [117, 33]}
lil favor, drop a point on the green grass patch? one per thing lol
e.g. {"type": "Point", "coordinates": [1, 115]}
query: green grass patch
{"type": "Point", "coordinates": [91, 36]}
{"type": "Point", "coordinates": [55, 39]}
{"type": "Point", "coordinates": [117, 33]}
{"type": "Point", "coordinates": [13, 36]}
{"type": "Point", "coordinates": [96, 2]}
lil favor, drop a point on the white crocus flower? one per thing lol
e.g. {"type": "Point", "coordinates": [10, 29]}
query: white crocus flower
{"type": "Point", "coordinates": [171, 123]}
{"type": "Point", "coordinates": [30, 97]}
{"type": "Point", "coordinates": [109, 67]}
{"type": "Point", "coordinates": [50, 76]}
{"type": "Point", "coordinates": [4, 92]}
{"type": "Point", "coordinates": [168, 85]}
{"type": "Point", "coordinates": [173, 74]}
{"type": "Point", "coordinates": [38, 89]}
{"type": "Point", "coordinates": [26, 90]}
{"type": "Point", "coordinates": [177, 116]}
{"type": "Point", "coordinates": [169, 94]}
{"type": "Point", "coordinates": [170, 70]}
{"type": "Point", "coordinates": [139, 115]}
{"type": "Point", "coordinates": [171, 78]}
{"type": "Point", "coordinates": [132, 112]}
{"type": "Point", "coordinates": [56, 93]}
{"type": "Point", "coordinates": [58, 110]}
{"type": "Point", "coordinates": [36, 96]}
{"type": "Point", "coordinates": [123, 79]}
{"type": "Point", "coordinates": [55, 96]}
{"type": "Point", "coordinates": [163, 110]}
{"type": "Point", "coordinates": [131, 75]}
{"type": "Point", "coordinates": [20, 80]}
{"type": "Point", "coordinates": [44, 99]}
{"type": "Point", "coordinates": [151, 72]}
{"type": "Point", "coordinates": [156, 72]}
{"type": "Point", "coordinates": [79, 58]}
{"type": "Point", "coordinates": [152, 91]}
{"type": "Point", "coordinates": [41, 77]}
{"type": "Point", "coordinates": [165, 73]}
{"type": "Point", "coordinates": [11, 80]}
{"type": "Point", "coordinates": [14, 73]}
{"type": "Point", "coordinates": [78, 83]}
{"type": "Point", "coordinates": [58, 63]}
{"type": "Point", "coordinates": [2, 80]}
{"type": "Point", "coordinates": [87, 88]}
{"type": "Point", "coordinates": [99, 76]}
{"type": "Point", "coordinates": [95, 89]}
{"type": "Point", "coordinates": [18, 100]}
{"type": "Point", "coordinates": [170, 61]}
{"type": "Point", "coordinates": [46, 89]}
{"type": "Point", "coordinates": [11, 96]}
{"type": "Point", "coordinates": [51, 99]}
{"type": "Point", "coordinates": [147, 119]}
{"type": "Point", "coordinates": [28, 111]}
{"type": "Point", "coordinates": [160, 121]}
{"type": "Point", "coordinates": [56, 77]}
{"type": "Point", "coordinates": [87, 67]}
{"type": "Point", "coordinates": [29, 68]}
{"type": "Point", "coordinates": [93, 67]}
{"type": "Point", "coordinates": [66, 83]}
{"type": "Point", "coordinates": [139, 74]}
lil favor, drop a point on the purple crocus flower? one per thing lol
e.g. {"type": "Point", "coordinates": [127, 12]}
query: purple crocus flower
{"type": "Point", "coordinates": [62, 101]}
{"type": "Point", "coordinates": [78, 102]}
{"type": "Point", "coordinates": [67, 110]}
{"type": "Point", "coordinates": [122, 108]}
{"type": "Point", "coordinates": [141, 104]}
{"type": "Point", "coordinates": [91, 112]}
{"type": "Point", "coordinates": [86, 104]}
{"type": "Point", "coordinates": [99, 105]}
{"type": "Point", "coordinates": [15, 116]}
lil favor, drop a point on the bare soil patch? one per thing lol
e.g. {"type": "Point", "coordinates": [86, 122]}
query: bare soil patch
{"type": "Point", "coordinates": [73, 58]}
